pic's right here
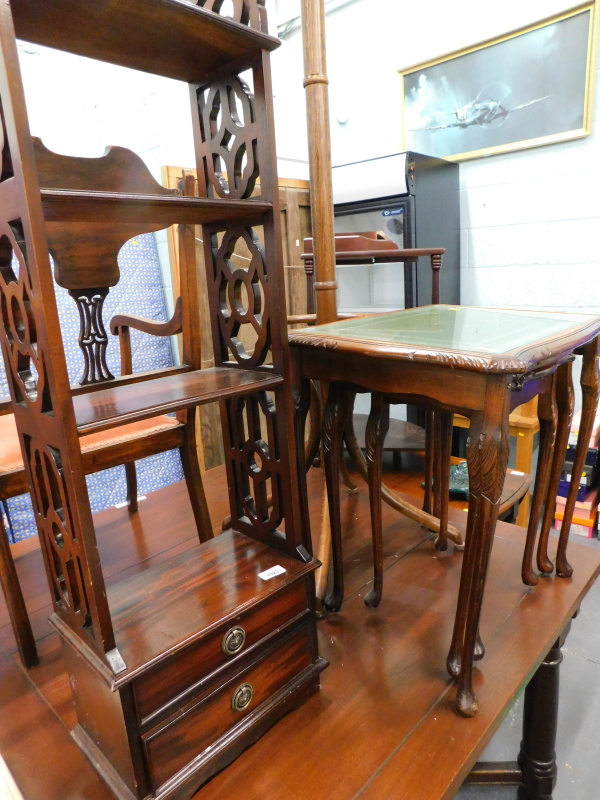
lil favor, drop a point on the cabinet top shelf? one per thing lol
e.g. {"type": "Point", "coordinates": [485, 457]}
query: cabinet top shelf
{"type": "Point", "coordinates": [173, 38]}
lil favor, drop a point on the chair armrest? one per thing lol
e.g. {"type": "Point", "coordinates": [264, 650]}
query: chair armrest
{"type": "Point", "coordinates": [169, 328]}
{"type": "Point", "coordinates": [121, 323]}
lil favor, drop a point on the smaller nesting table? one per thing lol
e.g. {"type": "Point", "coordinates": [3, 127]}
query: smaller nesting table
{"type": "Point", "coordinates": [477, 362]}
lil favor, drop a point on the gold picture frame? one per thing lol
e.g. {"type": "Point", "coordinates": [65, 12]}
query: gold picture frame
{"type": "Point", "coordinates": [509, 93]}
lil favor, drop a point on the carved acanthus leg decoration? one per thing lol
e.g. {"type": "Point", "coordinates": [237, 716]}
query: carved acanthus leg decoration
{"type": "Point", "coordinates": [487, 458]}
{"type": "Point", "coordinates": [590, 388]}
{"type": "Point", "coordinates": [547, 415]}
{"type": "Point", "coordinates": [565, 401]}
{"type": "Point", "coordinates": [377, 428]}
{"type": "Point", "coordinates": [93, 339]}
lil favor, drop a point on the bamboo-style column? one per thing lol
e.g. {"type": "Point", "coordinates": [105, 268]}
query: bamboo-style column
{"type": "Point", "coordinates": [321, 208]}
{"type": "Point", "coordinates": [319, 158]}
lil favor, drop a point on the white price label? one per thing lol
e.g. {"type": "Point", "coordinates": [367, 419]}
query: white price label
{"type": "Point", "coordinates": [271, 573]}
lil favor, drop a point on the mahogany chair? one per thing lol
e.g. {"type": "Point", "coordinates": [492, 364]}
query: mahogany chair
{"type": "Point", "coordinates": [85, 263]}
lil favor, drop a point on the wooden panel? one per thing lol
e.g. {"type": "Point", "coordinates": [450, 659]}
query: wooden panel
{"type": "Point", "coordinates": [172, 747]}
{"type": "Point", "coordinates": [186, 598]}
{"type": "Point", "coordinates": [110, 407]}
{"type": "Point", "coordinates": [168, 37]}
{"type": "Point", "coordinates": [157, 687]}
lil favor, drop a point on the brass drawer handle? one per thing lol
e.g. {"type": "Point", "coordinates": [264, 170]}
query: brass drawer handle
{"type": "Point", "coordinates": [242, 697]}
{"type": "Point", "coordinates": [233, 641]}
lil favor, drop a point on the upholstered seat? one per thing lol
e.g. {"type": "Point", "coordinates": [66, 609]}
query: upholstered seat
{"type": "Point", "coordinates": [11, 459]}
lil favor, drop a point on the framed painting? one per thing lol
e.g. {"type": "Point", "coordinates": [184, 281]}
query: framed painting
{"type": "Point", "coordinates": [531, 87]}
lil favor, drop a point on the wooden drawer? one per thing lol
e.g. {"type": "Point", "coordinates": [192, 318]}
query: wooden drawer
{"type": "Point", "coordinates": [173, 745]}
{"type": "Point", "coordinates": [180, 674]}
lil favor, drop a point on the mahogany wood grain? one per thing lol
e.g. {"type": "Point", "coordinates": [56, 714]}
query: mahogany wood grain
{"type": "Point", "coordinates": [206, 42]}
{"type": "Point", "coordinates": [173, 745]}
{"type": "Point", "coordinates": [154, 691]}
{"type": "Point", "coordinates": [210, 584]}
{"type": "Point", "coordinates": [109, 407]}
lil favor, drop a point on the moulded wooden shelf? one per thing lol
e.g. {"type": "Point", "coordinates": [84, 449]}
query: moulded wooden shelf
{"type": "Point", "coordinates": [174, 38]}
{"type": "Point", "coordinates": [119, 405]}
{"type": "Point", "coordinates": [61, 205]}
{"type": "Point", "coordinates": [187, 597]}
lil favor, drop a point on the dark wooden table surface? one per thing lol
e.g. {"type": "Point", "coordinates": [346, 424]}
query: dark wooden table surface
{"type": "Point", "coordinates": [383, 725]}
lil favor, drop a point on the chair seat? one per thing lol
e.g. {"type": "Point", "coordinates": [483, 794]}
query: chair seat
{"type": "Point", "coordinates": [11, 459]}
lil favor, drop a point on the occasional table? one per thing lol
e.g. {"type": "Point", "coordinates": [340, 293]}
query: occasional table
{"type": "Point", "coordinates": [478, 362]}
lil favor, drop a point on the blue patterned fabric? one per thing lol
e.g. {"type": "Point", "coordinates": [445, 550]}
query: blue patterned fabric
{"type": "Point", "coordinates": [139, 291]}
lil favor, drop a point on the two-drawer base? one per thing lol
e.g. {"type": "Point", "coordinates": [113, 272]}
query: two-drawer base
{"type": "Point", "coordinates": [208, 667]}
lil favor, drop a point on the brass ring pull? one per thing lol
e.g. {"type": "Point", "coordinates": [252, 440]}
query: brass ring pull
{"type": "Point", "coordinates": [233, 641]}
{"type": "Point", "coordinates": [242, 697]}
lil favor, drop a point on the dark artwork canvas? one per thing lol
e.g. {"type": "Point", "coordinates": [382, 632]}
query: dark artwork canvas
{"type": "Point", "coordinates": [505, 95]}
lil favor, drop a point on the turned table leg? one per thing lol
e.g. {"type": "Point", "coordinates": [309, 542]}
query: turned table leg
{"type": "Point", "coordinates": [487, 458]}
{"type": "Point", "coordinates": [377, 428]}
{"type": "Point", "coordinates": [334, 421]}
{"type": "Point", "coordinates": [537, 758]}
{"type": "Point", "coordinates": [590, 387]}
{"type": "Point", "coordinates": [564, 404]}
{"type": "Point", "coordinates": [547, 415]}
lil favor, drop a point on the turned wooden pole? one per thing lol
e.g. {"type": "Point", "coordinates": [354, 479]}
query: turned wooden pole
{"type": "Point", "coordinates": [319, 158]}
{"type": "Point", "coordinates": [321, 208]}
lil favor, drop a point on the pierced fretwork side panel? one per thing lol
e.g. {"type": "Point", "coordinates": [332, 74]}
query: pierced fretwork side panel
{"type": "Point", "coordinates": [60, 545]}
{"type": "Point", "coordinates": [251, 446]}
{"type": "Point", "coordinates": [238, 272]}
{"type": "Point", "coordinates": [37, 377]}
{"type": "Point", "coordinates": [248, 12]}
{"type": "Point", "coordinates": [93, 339]}
{"type": "Point", "coordinates": [227, 150]}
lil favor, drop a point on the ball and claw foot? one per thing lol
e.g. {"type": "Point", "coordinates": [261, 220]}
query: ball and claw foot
{"type": "Point", "coordinates": [466, 703]}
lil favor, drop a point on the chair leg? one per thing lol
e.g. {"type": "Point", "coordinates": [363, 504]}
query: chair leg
{"type": "Point", "coordinates": [377, 427]}
{"type": "Point", "coordinates": [132, 487]}
{"type": "Point", "coordinates": [193, 479]}
{"type": "Point", "coordinates": [15, 603]}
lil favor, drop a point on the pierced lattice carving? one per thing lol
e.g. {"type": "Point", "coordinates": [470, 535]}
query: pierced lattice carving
{"type": "Point", "coordinates": [26, 368]}
{"type": "Point", "coordinates": [61, 548]}
{"type": "Point", "coordinates": [241, 292]}
{"type": "Point", "coordinates": [229, 138]}
{"type": "Point", "coordinates": [248, 12]}
{"type": "Point", "coordinates": [93, 339]}
{"type": "Point", "coordinates": [255, 463]}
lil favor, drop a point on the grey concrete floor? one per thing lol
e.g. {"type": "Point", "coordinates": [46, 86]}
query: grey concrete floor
{"type": "Point", "coordinates": [578, 739]}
